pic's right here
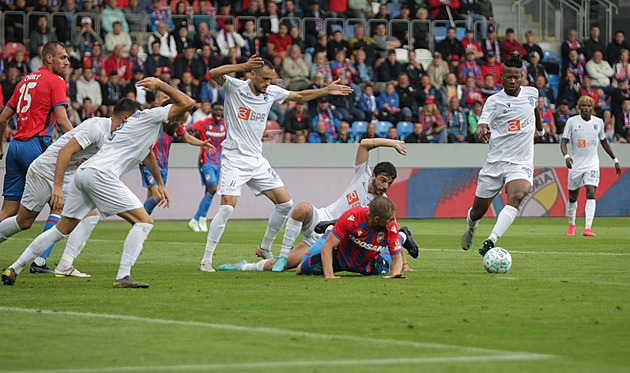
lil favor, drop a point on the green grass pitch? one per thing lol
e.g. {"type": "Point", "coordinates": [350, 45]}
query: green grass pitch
{"type": "Point", "coordinates": [563, 307]}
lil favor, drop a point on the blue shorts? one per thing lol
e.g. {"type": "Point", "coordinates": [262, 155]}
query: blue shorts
{"type": "Point", "coordinates": [209, 174]}
{"type": "Point", "coordinates": [19, 157]}
{"type": "Point", "coordinates": [147, 179]}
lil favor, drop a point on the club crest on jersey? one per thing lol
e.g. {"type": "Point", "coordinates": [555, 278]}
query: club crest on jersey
{"type": "Point", "coordinates": [265, 97]}
{"type": "Point", "coordinates": [595, 126]}
{"type": "Point", "coordinates": [531, 101]}
{"type": "Point", "coordinates": [380, 237]}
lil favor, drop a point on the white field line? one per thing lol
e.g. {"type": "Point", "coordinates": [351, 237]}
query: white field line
{"type": "Point", "coordinates": [272, 331]}
{"type": "Point", "coordinates": [299, 364]}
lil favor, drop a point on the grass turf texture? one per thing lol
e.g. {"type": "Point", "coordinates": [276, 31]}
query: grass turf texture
{"type": "Point", "coordinates": [563, 297]}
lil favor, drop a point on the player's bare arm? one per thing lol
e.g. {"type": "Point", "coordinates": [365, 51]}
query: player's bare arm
{"type": "Point", "coordinates": [150, 162]}
{"type": "Point", "coordinates": [565, 153]}
{"type": "Point", "coordinates": [609, 150]}
{"type": "Point", "coordinates": [63, 122]}
{"type": "Point", "coordinates": [6, 115]}
{"type": "Point", "coordinates": [483, 133]}
{"type": "Point", "coordinates": [539, 127]}
{"type": "Point", "coordinates": [368, 144]}
{"type": "Point", "coordinates": [192, 140]}
{"type": "Point", "coordinates": [218, 74]}
{"type": "Point", "coordinates": [327, 252]}
{"type": "Point", "coordinates": [183, 103]}
{"type": "Point", "coordinates": [63, 158]}
{"type": "Point", "coordinates": [396, 271]}
{"type": "Point", "coordinates": [333, 88]}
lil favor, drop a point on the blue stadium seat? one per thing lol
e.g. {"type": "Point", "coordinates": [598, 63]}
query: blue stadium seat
{"type": "Point", "coordinates": [382, 127]}
{"type": "Point", "coordinates": [404, 129]}
{"type": "Point", "coordinates": [439, 32]}
{"type": "Point", "coordinates": [335, 27]}
{"type": "Point", "coordinates": [393, 9]}
{"type": "Point", "coordinates": [358, 128]}
{"type": "Point", "coordinates": [554, 82]}
{"type": "Point", "coordinates": [460, 33]}
{"type": "Point", "coordinates": [549, 55]}
{"type": "Point", "coordinates": [310, 50]}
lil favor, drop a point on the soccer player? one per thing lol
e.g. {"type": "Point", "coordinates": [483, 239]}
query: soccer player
{"type": "Point", "coordinates": [247, 104]}
{"type": "Point", "coordinates": [210, 129]}
{"type": "Point", "coordinates": [508, 122]}
{"type": "Point", "coordinates": [357, 241]}
{"type": "Point", "coordinates": [51, 173]}
{"type": "Point", "coordinates": [40, 102]}
{"type": "Point", "coordinates": [584, 131]}
{"type": "Point", "coordinates": [97, 184]}
{"type": "Point", "coordinates": [162, 149]}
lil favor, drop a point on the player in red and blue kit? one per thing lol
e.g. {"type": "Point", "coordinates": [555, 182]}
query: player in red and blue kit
{"type": "Point", "coordinates": [358, 243]}
{"type": "Point", "coordinates": [40, 102]}
{"type": "Point", "coordinates": [212, 130]}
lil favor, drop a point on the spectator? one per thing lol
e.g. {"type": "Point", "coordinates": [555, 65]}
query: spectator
{"type": "Point", "coordinates": [134, 60]}
{"type": "Point", "coordinates": [300, 138]}
{"type": "Point", "coordinates": [206, 36]}
{"type": "Point", "coordinates": [409, 97]}
{"type": "Point", "coordinates": [182, 40]}
{"type": "Point", "coordinates": [271, 23]}
{"type": "Point", "coordinates": [189, 87]}
{"type": "Point", "coordinates": [622, 123]}
{"type": "Point", "coordinates": [451, 45]}
{"type": "Point", "coordinates": [63, 25]}
{"type": "Point", "coordinates": [489, 87]}
{"type": "Point", "coordinates": [573, 65]}
{"type": "Point", "coordinates": [570, 89]}
{"type": "Point", "coordinates": [22, 67]}
{"type": "Point", "coordinates": [384, 43]}
{"type": "Point", "coordinates": [454, 66]}
{"type": "Point", "coordinates": [155, 61]}
{"type": "Point", "coordinates": [290, 15]}
{"type": "Point", "coordinates": [294, 71]}
{"type": "Point", "coordinates": [252, 41]}
{"type": "Point", "coordinates": [139, 92]}
{"type": "Point", "coordinates": [544, 91]}
{"type": "Point", "coordinates": [421, 30]}
{"type": "Point", "coordinates": [112, 92]}
{"type": "Point", "coordinates": [343, 134]}
{"type": "Point", "coordinates": [35, 62]}
{"type": "Point", "coordinates": [95, 62]}
{"type": "Point", "coordinates": [389, 70]}
{"type": "Point", "coordinates": [166, 41]}
{"type": "Point", "coordinates": [82, 40]}
{"type": "Point", "coordinates": [117, 37]}
{"type": "Point", "coordinates": [278, 45]}
{"type": "Point", "coordinates": [381, 17]}
{"type": "Point", "coordinates": [225, 13]}
{"type": "Point", "coordinates": [166, 75]}
{"type": "Point", "coordinates": [470, 68]}
{"type": "Point", "coordinates": [117, 63]}
{"type": "Point", "coordinates": [433, 127]}
{"type": "Point", "coordinates": [370, 132]}
{"type": "Point", "coordinates": [614, 48]}
{"type": "Point", "coordinates": [443, 10]}
{"type": "Point", "coordinates": [313, 27]}
{"type": "Point", "coordinates": [111, 14]}
{"type": "Point", "coordinates": [359, 9]}
{"type": "Point", "coordinates": [563, 114]}
{"type": "Point", "coordinates": [473, 118]}
{"type": "Point", "coordinates": [208, 61]}
{"type": "Point", "coordinates": [88, 7]}
{"type": "Point", "coordinates": [535, 68]}
{"type": "Point", "coordinates": [317, 82]}
{"type": "Point", "coordinates": [320, 135]}
{"type": "Point", "coordinates": [510, 43]}
{"type": "Point", "coordinates": [14, 23]}
{"type": "Point", "coordinates": [135, 16]}
{"type": "Point", "coordinates": [211, 91]}
{"type": "Point", "coordinates": [364, 73]}
{"type": "Point", "coordinates": [322, 44]}
{"type": "Point", "coordinates": [337, 44]}
{"type": "Point", "coordinates": [427, 88]}
{"type": "Point", "coordinates": [471, 12]}
{"type": "Point", "coordinates": [8, 85]}
{"type": "Point", "coordinates": [325, 113]}
{"type": "Point", "coordinates": [41, 35]}
{"type": "Point", "coordinates": [87, 86]}
{"type": "Point", "coordinates": [621, 68]}
{"type": "Point", "coordinates": [449, 90]}
{"type": "Point", "coordinates": [531, 47]}
{"type": "Point", "coordinates": [413, 68]}
{"type": "Point", "coordinates": [571, 43]}
{"type": "Point", "coordinates": [203, 13]}
{"type": "Point", "coordinates": [594, 44]}
{"type": "Point", "coordinates": [180, 18]}
{"type": "Point", "coordinates": [472, 93]}
{"type": "Point", "coordinates": [253, 10]}
{"type": "Point", "coordinates": [368, 103]}
{"type": "Point", "coordinates": [320, 65]}
{"type": "Point", "coordinates": [455, 121]}
{"type": "Point", "coordinates": [158, 15]}
{"type": "Point", "coordinates": [491, 44]}
{"type": "Point", "coordinates": [360, 41]}
{"type": "Point", "coordinates": [548, 122]}
{"type": "Point", "coordinates": [493, 67]}
{"type": "Point", "coordinates": [297, 121]}
{"type": "Point", "coordinates": [389, 104]}
{"type": "Point", "coordinates": [438, 70]}
{"type": "Point", "coordinates": [191, 63]}
{"type": "Point", "coordinates": [400, 29]}
{"type": "Point", "coordinates": [600, 72]}
{"type": "Point", "coordinates": [416, 136]}
{"type": "Point", "coordinates": [204, 111]}
{"type": "Point", "coordinates": [618, 96]}
{"type": "Point", "coordinates": [342, 66]}
{"type": "Point", "coordinates": [471, 45]}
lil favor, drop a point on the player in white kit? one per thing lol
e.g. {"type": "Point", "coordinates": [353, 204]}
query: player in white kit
{"type": "Point", "coordinates": [584, 132]}
{"type": "Point", "coordinates": [97, 183]}
{"type": "Point", "coordinates": [247, 104]}
{"type": "Point", "coordinates": [43, 180]}
{"type": "Point", "coordinates": [508, 122]}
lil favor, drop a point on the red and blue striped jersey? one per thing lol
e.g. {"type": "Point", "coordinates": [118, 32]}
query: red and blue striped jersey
{"type": "Point", "coordinates": [208, 130]}
{"type": "Point", "coordinates": [360, 243]}
{"type": "Point", "coordinates": [34, 101]}
{"type": "Point", "coordinates": [162, 147]}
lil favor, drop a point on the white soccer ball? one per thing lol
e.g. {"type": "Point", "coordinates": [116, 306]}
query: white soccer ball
{"type": "Point", "coordinates": [497, 260]}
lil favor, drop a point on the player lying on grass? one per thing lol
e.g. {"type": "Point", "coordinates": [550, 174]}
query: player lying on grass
{"type": "Point", "coordinates": [363, 188]}
{"type": "Point", "coordinates": [584, 132]}
{"type": "Point", "coordinates": [51, 173]}
{"type": "Point", "coordinates": [97, 183]}
{"type": "Point", "coordinates": [359, 242]}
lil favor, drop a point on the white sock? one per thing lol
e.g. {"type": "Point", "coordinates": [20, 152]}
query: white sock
{"type": "Point", "coordinates": [76, 241]}
{"type": "Point", "coordinates": [8, 227]}
{"type": "Point", "coordinates": [471, 223]}
{"type": "Point", "coordinates": [133, 247]}
{"type": "Point", "coordinates": [291, 233]}
{"type": "Point", "coordinates": [571, 209]}
{"type": "Point", "coordinates": [505, 219]}
{"type": "Point", "coordinates": [276, 221]}
{"type": "Point", "coordinates": [402, 237]}
{"type": "Point", "coordinates": [37, 247]}
{"type": "Point", "coordinates": [258, 266]}
{"type": "Point", "coordinates": [589, 212]}
{"type": "Point", "coordinates": [217, 226]}
{"type": "Point", "coordinates": [39, 261]}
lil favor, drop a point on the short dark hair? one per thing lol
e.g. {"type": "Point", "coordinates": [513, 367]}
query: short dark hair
{"type": "Point", "coordinates": [451, 28]}
{"type": "Point", "coordinates": [126, 106]}
{"type": "Point", "coordinates": [266, 63]}
{"type": "Point", "coordinates": [514, 61]}
{"type": "Point", "coordinates": [385, 168]}
{"type": "Point", "coordinates": [51, 48]}
{"type": "Point", "coordinates": [620, 32]}
{"type": "Point", "coordinates": [217, 103]}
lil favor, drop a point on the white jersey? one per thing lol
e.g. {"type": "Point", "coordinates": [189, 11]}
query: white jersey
{"type": "Point", "coordinates": [246, 115]}
{"type": "Point", "coordinates": [513, 123]}
{"type": "Point", "coordinates": [90, 134]}
{"type": "Point", "coordinates": [356, 194]}
{"type": "Point", "coordinates": [130, 143]}
{"type": "Point", "coordinates": [584, 137]}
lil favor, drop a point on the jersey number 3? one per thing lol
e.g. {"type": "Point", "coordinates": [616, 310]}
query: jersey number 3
{"type": "Point", "coordinates": [24, 95]}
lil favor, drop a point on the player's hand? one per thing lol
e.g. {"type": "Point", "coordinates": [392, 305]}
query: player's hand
{"type": "Point", "coordinates": [332, 277]}
{"type": "Point", "coordinates": [400, 148]}
{"type": "Point", "coordinates": [150, 84]}
{"type": "Point", "coordinates": [569, 162]}
{"type": "Point", "coordinates": [254, 62]}
{"type": "Point", "coordinates": [162, 194]}
{"type": "Point", "coordinates": [337, 89]}
{"type": "Point", "coordinates": [398, 275]}
{"type": "Point", "coordinates": [209, 147]}
{"type": "Point", "coordinates": [617, 169]}
{"type": "Point", "coordinates": [56, 199]}
{"type": "Point", "coordinates": [482, 134]}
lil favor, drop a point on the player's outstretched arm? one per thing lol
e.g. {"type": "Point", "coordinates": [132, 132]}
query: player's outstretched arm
{"type": "Point", "coordinates": [63, 158]}
{"type": "Point", "coordinates": [565, 153]}
{"type": "Point", "coordinates": [183, 103]}
{"type": "Point", "coordinates": [609, 150]}
{"type": "Point", "coordinates": [150, 162]}
{"type": "Point", "coordinates": [7, 114]}
{"type": "Point", "coordinates": [333, 88]}
{"type": "Point", "coordinates": [368, 144]}
{"type": "Point", "coordinates": [327, 252]}
{"type": "Point", "coordinates": [218, 73]}
{"type": "Point", "coordinates": [192, 140]}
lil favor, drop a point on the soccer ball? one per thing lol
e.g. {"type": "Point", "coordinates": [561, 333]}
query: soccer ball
{"type": "Point", "coordinates": [497, 260]}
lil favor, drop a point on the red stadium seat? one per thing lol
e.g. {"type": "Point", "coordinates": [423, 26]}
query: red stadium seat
{"type": "Point", "coordinates": [13, 47]}
{"type": "Point", "coordinates": [274, 132]}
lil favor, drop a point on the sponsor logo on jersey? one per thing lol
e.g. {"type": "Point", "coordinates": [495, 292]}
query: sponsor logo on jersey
{"type": "Point", "coordinates": [353, 198]}
{"type": "Point", "coordinates": [366, 245]}
{"type": "Point", "coordinates": [248, 114]}
{"type": "Point", "coordinates": [514, 125]}
{"type": "Point", "coordinates": [581, 143]}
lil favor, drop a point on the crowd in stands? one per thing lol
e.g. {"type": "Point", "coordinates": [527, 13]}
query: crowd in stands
{"type": "Point", "coordinates": [440, 101]}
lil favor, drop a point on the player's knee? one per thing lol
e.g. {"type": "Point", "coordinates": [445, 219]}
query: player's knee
{"type": "Point", "coordinates": [298, 269]}
{"type": "Point", "coordinates": [515, 198]}
{"type": "Point", "coordinates": [590, 193]}
{"type": "Point", "coordinates": [301, 211]}
{"type": "Point", "coordinates": [212, 189]}
{"type": "Point", "coordinates": [285, 207]}
{"type": "Point", "coordinates": [24, 222]}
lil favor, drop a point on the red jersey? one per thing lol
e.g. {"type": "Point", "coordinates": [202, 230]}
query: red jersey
{"type": "Point", "coordinates": [208, 130]}
{"type": "Point", "coordinates": [360, 243]}
{"type": "Point", "coordinates": [280, 45]}
{"type": "Point", "coordinates": [120, 66]}
{"type": "Point", "coordinates": [162, 147]}
{"type": "Point", "coordinates": [34, 101]}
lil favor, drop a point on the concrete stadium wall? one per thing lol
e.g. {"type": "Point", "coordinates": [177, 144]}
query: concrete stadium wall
{"type": "Point", "coordinates": [434, 180]}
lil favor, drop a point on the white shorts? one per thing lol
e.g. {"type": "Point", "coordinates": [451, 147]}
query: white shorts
{"type": "Point", "coordinates": [38, 190]}
{"type": "Point", "coordinates": [255, 172]}
{"type": "Point", "coordinates": [308, 230]}
{"type": "Point", "coordinates": [581, 178]}
{"type": "Point", "coordinates": [92, 188]}
{"type": "Point", "coordinates": [493, 176]}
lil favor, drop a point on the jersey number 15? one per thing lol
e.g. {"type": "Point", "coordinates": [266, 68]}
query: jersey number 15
{"type": "Point", "coordinates": [24, 95]}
